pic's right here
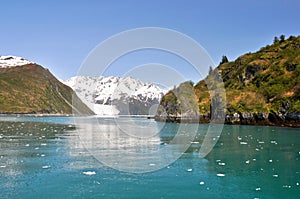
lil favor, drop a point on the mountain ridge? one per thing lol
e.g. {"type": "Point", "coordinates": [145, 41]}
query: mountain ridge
{"type": "Point", "coordinates": [116, 95]}
{"type": "Point", "coordinates": [31, 89]}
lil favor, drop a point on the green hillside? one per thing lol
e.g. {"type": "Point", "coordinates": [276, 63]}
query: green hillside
{"type": "Point", "coordinates": [264, 82]}
{"type": "Point", "coordinates": [33, 89]}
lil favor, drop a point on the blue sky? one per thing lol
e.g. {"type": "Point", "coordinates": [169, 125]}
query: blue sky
{"type": "Point", "coordinates": [60, 34]}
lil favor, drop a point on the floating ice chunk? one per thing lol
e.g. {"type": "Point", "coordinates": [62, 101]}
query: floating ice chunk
{"type": "Point", "coordinates": [152, 164]}
{"type": "Point", "coordinates": [42, 155]}
{"type": "Point", "coordinates": [273, 142]}
{"type": "Point", "coordinates": [222, 163]}
{"type": "Point", "coordinates": [2, 166]}
{"type": "Point", "coordinates": [239, 138]}
{"type": "Point", "coordinates": [243, 143]}
{"type": "Point", "coordinates": [287, 186]}
{"type": "Point", "coordinates": [189, 170]}
{"type": "Point", "coordinates": [297, 183]}
{"type": "Point", "coordinates": [221, 174]}
{"type": "Point", "coordinates": [1, 137]}
{"type": "Point", "coordinates": [201, 183]}
{"type": "Point", "coordinates": [247, 162]}
{"type": "Point", "coordinates": [36, 148]}
{"type": "Point", "coordinates": [46, 167]}
{"type": "Point", "coordinates": [257, 189]}
{"type": "Point", "coordinates": [275, 176]}
{"type": "Point", "coordinates": [43, 144]}
{"type": "Point", "coordinates": [27, 145]}
{"type": "Point", "coordinates": [270, 161]}
{"type": "Point", "coordinates": [261, 142]}
{"type": "Point", "coordinates": [89, 173]}
{"type": "Point", "coordinates": [218, 160]}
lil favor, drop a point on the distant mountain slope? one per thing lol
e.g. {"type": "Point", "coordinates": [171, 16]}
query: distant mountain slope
{"type": "Point", "coordinates": [261, 87]}
{"type": "Point", "coordinates": [26, 87]}
{"type": "Point", "coordinates": [116, 95]}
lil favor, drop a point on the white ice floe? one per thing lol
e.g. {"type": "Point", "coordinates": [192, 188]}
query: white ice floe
{"type": "Point", "coordinates": [287, 186]}
{"type": "Point", "coordinates": [189, 170]}
{"type": "Point", "coordinates": [275, 176]}
{"type": "Point", "coordinates": [89, 173]}
{"type": "Point", "coordinates": [270, 161]}
{"type": "Point", "coordinates": [201, 183]}
{"type": "Point", "coordinates": [273, 142]}
{"type": "Point", "coordinates": [221, 174]}
{"type": "Point", "coordinates": [258, 189]}
{"type": "Point", "coordinates": [247, 162]}
{"type": "Point", "coordinates": [2, 166]}
{"type": "Point", "coordinates": [243, 143]}
{"type": "Point", "coordinates": [222, 163]}
{"type": "Point", "coordinates": [46, 167]}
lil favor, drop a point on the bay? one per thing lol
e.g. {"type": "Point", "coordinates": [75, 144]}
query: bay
{"type": "Point", "coordinates": [45, 157]}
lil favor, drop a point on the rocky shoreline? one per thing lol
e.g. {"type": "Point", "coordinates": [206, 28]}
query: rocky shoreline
{"type": "Point", "coordinates": [241, 118]}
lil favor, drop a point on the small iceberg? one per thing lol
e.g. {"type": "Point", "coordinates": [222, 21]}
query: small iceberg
{"type": "Point", "coordinates": [46, 167]}
{"type": "Point", "coordinates": [201, 183]}
{"type": "Point", "coordinates": [89, 173]}
{"type": "Point", "coordinates": [189, 170]}
{"type": "Point", "coordinates": [221, 174]}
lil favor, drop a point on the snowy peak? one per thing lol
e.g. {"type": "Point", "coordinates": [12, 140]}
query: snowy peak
{"type": "Point", "coordinates": [125, 94]}
{"type": "Point", "coordinates": [12, 61]}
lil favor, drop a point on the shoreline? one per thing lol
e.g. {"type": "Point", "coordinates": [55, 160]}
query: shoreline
{"type": "Point", "coordinates": [230, 119]}
{"type": "Point", "coordinates": [204, 119]}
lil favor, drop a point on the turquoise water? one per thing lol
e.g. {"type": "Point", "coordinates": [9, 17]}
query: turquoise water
{"type": "Point", "coordinates": [43, 157]}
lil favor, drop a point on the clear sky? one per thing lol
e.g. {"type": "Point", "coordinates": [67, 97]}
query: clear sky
{"type": "Point", "coordinates": [60, 34]}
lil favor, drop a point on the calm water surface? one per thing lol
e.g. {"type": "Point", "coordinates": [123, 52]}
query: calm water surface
{"type": "Point", "coordinates": [43, 157]}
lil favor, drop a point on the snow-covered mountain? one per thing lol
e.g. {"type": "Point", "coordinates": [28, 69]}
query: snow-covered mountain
{"type": "Point", "coordinates": [12, 61]}
{"type": "Point", "coordinates": [116, 95]}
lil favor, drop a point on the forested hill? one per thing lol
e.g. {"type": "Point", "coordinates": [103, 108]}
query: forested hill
{"type": "Point", "coordinates": [261, 87]}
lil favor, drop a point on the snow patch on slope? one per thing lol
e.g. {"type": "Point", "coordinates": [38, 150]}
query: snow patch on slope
{"type": "Point", "coordinates": [12, 61]}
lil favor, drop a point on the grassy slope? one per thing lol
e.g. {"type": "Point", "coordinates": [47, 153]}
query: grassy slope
{"type": "Point", "coordinates": [255, 82]}
{"type": "Point", "coordinates": [33, 89]}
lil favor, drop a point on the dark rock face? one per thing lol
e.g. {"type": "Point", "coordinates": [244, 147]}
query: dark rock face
{"type": "Point", "coordinates": [251, 70]}
{"type": "Point", "coordinates": [293, 117]}
{"type": "Point", "coordinates": [243, 118]}
{"type": "Point", "coordinates": [290, 67]}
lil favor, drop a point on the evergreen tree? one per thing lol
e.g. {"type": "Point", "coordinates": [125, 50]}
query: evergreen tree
{"type": "Point", "coordinates": [282, 38]}
{"type": "Point", "coordinates": [210, 70]}
{"type": "Point", "coordinates": [276, 40]}
{"type": "Point", "coordinates": [224, 60]}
